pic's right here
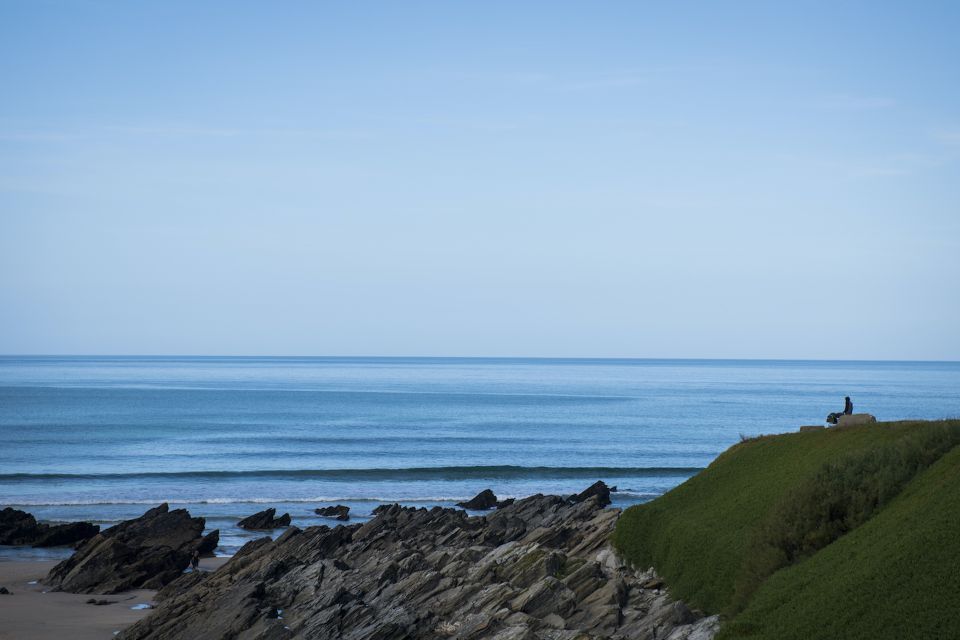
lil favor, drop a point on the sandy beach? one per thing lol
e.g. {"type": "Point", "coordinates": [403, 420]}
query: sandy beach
{"type": "Point", "coordinates": [30, 613]}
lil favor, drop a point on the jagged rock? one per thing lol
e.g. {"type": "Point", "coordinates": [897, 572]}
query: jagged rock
{"type": "Point", "coordinates": [538, 569]}
{"type": "Point", "coordinates": [340, 512]}
{"type": "Point", "coordinates": [20, 528]}
{"type": "Point", "coordinates": [505, 503]}
{"type": "Point", "coordinates": [66, 534]}
{"type": "Point", "coordinates": [16, 527]}
{"type": "Point", "coordinates": [599, 489]}
{"type": "Point", "coordinates": [5, 592]}
{"type": "Point", "coordinates": [484, 500]}
{"type": "Point", "coordinates": [265, 520]}
{"type": "Point", "coordinates": [146, 552]}
{"type": "Point", "coordinates": [208, 544]}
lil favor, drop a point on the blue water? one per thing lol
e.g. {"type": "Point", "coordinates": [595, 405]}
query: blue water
{"type": "Point", "coordinates": [98, 438]}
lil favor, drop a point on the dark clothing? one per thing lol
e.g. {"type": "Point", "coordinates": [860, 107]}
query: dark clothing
{"type": "Point", "coordinates": [847, 407]}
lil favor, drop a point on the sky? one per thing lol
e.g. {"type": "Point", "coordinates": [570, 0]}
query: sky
{"type": "Point", "coordinates": [570, 179]}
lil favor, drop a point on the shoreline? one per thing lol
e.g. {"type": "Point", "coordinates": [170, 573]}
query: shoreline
{"type": "Point", "coordinates": [32, 612]}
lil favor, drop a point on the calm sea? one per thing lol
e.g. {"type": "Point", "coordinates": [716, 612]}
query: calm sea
{"type": "Point", "coordinates": [104, 438]}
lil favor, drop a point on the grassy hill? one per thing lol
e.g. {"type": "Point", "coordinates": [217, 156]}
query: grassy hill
{"type": "Point", "coordinates": [782, 532]}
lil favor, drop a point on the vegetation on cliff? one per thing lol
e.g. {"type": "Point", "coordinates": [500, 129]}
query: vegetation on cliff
{"type": "Point", "coordinates": [778, 519]}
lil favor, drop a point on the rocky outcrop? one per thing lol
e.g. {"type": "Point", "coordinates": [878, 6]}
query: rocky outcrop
{"type": "Point", "coordinates": [340, 512]}
{"type": "Point", "coordinates": [208, 544]}
{"type": "Point", "coordinates": [146, 552]}
{"type": "Point", "coordinates": [20, 528]}
{"type": "Point", "coordinates": [538, 569]}
{"type": "Point", "coordinates": [484, 500]}
{"type": "Point", "coordinates": [265, 520]}
{"type": "Point", "coordinates": [598, 489]}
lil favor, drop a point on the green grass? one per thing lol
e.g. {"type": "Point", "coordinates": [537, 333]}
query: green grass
{"type": "Point", "coordinates": [896, 576]}
{"type": "Point", "coordinates": [725, 529]}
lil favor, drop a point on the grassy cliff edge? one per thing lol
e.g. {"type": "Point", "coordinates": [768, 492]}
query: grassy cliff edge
{"type": "Point", "coordinates": [759, 531]}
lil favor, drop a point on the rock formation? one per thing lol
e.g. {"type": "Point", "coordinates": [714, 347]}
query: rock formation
{"type": "Point", "coordinates": [146, 552]}
{"type": "Point", "coordinates": [340, 512]}
{"type": "Point", "coordinates": [484, 500]}
{"type": "Point", "coordinates": [538, 569]}
{"type": "Point", "coordinates": [208, 544]}
{"type": "Point", "coordinates": [598, 489]}
{"type": "Point", "coordinates": [265, 520]}
{"type": "Point", "coordinates": [20, 528]}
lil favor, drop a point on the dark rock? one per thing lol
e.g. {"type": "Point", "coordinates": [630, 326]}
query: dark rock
{"type": "Point", "coordinates": [66, 534]}
{"type": "Point", "coordinates": [505, 503]}
{"type": "Point", "coordinates": [100, 603]}
{"type": "Point", "coordinates": [598, 489]}
{"type": "Point", "coordinates": [265, 520]}
{"type": "Point", "coordinates": [17, 527]}
{"type": "Point", "coordinates": [537, 569]}
{"type": "Point", "coordinates": [20, 528]}
{"type": "Point", "coordinates": [146, 552]}
{"type": "Point", "coordinates": [5, 592]}
{"type": "Point", "coordinates": [484, 500]}
{"type": "Point", "coordinates": [340, 512]}
{"type": "Point", "coordinates": [208, 544]}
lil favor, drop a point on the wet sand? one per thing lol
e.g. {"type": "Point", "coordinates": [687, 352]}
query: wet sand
{"type": "Point", "coordinates": [31, 614]}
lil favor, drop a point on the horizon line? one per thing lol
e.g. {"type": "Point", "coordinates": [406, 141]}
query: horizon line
{"type": "Point", "coordinates": [474, 357]}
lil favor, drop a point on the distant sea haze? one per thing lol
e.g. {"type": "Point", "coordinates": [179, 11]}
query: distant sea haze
{"type": "Point", "coordinates": [101, 438]}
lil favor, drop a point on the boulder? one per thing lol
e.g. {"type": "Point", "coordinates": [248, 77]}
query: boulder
{"type": "Point", "coordinates": [340, 512]}
{"type": "Point", "coordinates": [537, 569]}
{"type": "Point", "coordinates": [484, 500]}
{"type": "Point", "coordinates": [17, 527]}
{"type": "Point", "coordinates": [66, 534]}
{"type": "Point", "coordinates": [20, 528]}
{"type": "Point", "coordinates": [855, 419]}
{"type": "Point", "coordinates": [5, 592]}
{"type": "Point", "coordinates": [265, 520]}
{"type": "Point", "coordinates": [598, 489]}
{"type": "Point", "coordinates": [146, 552]}
{"type": "Point", "coordinates": [208, 544]}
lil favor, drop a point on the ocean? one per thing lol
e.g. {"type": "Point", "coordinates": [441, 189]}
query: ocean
{"type": "Point", "coordinates": [105, 438]}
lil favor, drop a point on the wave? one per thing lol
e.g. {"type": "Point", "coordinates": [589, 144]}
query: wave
{"type": "Point", "coordinates": [408, 473]}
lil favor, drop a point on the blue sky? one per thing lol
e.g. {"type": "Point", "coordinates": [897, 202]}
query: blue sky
{"type": "Point", "coordinates": [494, 178]}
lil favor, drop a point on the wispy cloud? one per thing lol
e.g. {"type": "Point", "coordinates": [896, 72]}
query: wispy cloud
{"type": "Point", "coordinates": [573, 81]}
{"type": "Point", "coordinates": [37, 136]}
{"type": "Point", "coordinates": [894, 165]}
{"type": "Point", "coordinates": [948, 136]}
{"type": "Point", "coordinates": [853, 102]}
{"type": "Point", "coordinates": [177, 131]}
